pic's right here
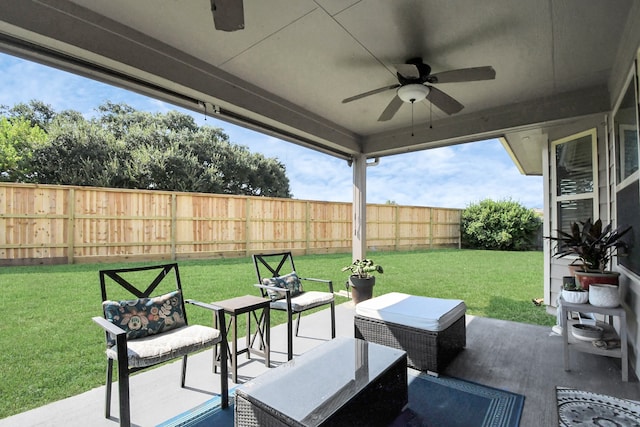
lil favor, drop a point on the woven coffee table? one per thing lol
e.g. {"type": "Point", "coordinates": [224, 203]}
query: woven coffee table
{"type": "Point", "coordinates": [345, 381]}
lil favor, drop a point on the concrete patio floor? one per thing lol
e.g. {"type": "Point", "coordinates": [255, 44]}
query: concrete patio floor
{"type": "Point", "coordinates": [517, 357]}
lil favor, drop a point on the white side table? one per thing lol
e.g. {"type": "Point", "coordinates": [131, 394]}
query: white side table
{"type": "Point", "coordinates": [587, 347]}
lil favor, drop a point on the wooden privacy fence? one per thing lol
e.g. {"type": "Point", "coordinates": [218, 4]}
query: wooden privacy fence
{"type": "Point", "coordinates": [67, 224]}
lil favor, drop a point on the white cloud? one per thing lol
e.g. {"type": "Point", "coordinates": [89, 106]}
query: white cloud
{"type": "Point", "coordinates": [443, 177]}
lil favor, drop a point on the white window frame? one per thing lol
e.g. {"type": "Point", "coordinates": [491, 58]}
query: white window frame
{"type": "Point", "coordinates": [593, 195]}
{"type": "Point", "coordinates": [636, 175]}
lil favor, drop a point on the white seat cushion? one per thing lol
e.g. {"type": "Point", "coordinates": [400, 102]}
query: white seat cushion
{"type": "Point", "coordinates": [167, 345]}
{"type": "Point", "coordinates": [430, 314]}
{"type": "Point", "coordinates": [304, 301]}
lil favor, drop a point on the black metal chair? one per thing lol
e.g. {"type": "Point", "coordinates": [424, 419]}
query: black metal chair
{"type": "Point", "coordinates": [278, 280]}
{"type": "Point", "coordinates": [145, 324]}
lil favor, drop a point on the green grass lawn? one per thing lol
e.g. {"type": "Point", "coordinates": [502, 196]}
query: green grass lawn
{"type": "Point", "coordinates": [51, 349]}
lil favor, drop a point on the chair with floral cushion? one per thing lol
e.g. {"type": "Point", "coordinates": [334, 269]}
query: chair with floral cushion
{"type": "Point", "coordinates": [279, 281]}
{"type": "Point", "coordinates": [145, 324]}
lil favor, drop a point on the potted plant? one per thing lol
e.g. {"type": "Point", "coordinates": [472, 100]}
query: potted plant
{"type": "Point", "coordinates": [361, 281]}
{"type": "Point", "coordinates": [572, 291]}
{"type": "Point", "coordinates": [594, 245]}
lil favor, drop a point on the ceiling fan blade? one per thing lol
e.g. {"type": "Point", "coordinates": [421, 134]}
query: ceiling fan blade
{"type": "Point", "coordinates": [443, 101]}
{"type": "Point", "coordinates": [228, 15]}
{"type": "Point", "coordinates": [464, 75]}
{"type": "Point", "coordinates": [408, 71]}
{"type": "Point", "coordinates": [391, 109]}
{"type": "Point", "coordinates": [371, 92]}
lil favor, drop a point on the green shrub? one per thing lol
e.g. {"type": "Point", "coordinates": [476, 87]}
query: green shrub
{"type": "Point", "coordinates": [502, 225]}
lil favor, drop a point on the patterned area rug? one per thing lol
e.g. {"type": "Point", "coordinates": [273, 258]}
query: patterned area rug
{"type": "Point", "coordinates": [433, 402]}
{"type": "Point", "coordinates": [583, 408]}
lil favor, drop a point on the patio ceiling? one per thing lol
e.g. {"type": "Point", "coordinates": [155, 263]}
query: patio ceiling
{"type": "Point", "coordinates": [287, 72]}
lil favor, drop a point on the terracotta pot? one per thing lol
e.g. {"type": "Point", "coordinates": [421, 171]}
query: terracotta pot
{"type": "Point", "coordinates": [586, 278]}
{"type": "Point", "coordinates": [361, 288]}
{"type": "Point", "coordinates": [576, 265]}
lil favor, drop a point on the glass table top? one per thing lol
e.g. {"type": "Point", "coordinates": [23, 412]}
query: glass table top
{"type": "Point", "coordinates": [314, 385]}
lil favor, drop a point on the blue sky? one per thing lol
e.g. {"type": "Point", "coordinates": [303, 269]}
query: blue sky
{"type": "Point", "coordinates": [451, 177]}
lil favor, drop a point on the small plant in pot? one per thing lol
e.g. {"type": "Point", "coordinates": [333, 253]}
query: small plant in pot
{"type": "Point", "coordinates": [594, 245]}
{"type": "Point", "coordinates": [361, 280]}
{"type": "Point", "coordinates": [573, 292]}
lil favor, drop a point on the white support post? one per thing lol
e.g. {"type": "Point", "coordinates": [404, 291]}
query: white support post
{"type": "Point", "coordinates": [359, 242]}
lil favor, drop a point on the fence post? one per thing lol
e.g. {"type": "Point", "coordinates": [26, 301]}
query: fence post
{"type": "Point", "coordinates": [174, 226]}
{"type": "Point", "coordinates": [430, 228]}
{"type": "Point", "coordinates": [247, 226]}
{"type": "Point", "coordinates": [307, 230]}
{"type": "Point", "coordinates": [396, 208]}
{"type": "Point", "coordinates": [71, 225]}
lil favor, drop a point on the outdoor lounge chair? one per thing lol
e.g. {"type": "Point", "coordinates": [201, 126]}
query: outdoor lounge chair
{"type": "Point", "coordinates": [152, 328]}
{"type": "Point", "coordinates": [286, 291]}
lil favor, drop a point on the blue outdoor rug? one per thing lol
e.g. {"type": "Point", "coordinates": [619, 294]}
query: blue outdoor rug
{"type": "Point", "coordinates": [433, 402]}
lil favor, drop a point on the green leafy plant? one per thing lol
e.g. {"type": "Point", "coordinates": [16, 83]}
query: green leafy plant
{"type": "Point", "coordinates": [593, 244]}
{"type": "Point", "coordinates": [573, 286]}
{"type": "Point", "coordinates": [363, 268]}
{"type": "Point", "coordinates": [501, 225]}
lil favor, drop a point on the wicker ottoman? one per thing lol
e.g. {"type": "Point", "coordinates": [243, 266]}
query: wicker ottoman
{"type": "Point", "coordinates": [431, 330]}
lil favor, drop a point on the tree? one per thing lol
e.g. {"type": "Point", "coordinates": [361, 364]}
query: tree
{"type": "Point", "coordinates": [125, 148]}
{"type": "Point", "coordinates": [502, 225]}
{"type": "Point", "coordinates": [18, 139]}
{"type": "Point", "coordinates": [37, 113]}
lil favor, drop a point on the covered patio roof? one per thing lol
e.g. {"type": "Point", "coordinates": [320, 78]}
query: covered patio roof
{"type": "Point", "coordinates": [287, 72]}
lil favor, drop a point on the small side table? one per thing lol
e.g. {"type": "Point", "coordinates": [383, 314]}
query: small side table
{"type": "Point", "coordinates": [587, 347]}
{"type": "Point", "coordinates": [248, 304]}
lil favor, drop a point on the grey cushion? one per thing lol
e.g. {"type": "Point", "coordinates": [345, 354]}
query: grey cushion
{"type": "Point", "coordinates": [168, 345]}
{"type": "Point", "coordinates": [304, 301]}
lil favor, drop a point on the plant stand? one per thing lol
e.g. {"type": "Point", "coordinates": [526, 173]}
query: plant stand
{"type": "Point", "coordinates": [587, 347]}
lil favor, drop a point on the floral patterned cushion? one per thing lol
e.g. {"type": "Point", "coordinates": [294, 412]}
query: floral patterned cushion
{"type": "Point", "coordinates": [288, 281]}
{"type": "Point", "coordinates": [146, 316]}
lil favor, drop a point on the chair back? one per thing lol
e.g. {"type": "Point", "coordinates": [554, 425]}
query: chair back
{"type": "Point", "coordinates": [141, 282]}
{"type": "Point", "coordinates": [272, 265]}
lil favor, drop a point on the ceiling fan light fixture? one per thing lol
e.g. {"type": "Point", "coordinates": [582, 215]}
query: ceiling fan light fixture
{"type": "Point", "coordinates": [413, 92]}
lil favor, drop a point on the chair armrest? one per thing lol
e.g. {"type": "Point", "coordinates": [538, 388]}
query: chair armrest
{"type": "Point", "coordinates": [219, 313]}
{"type": "Point", "coordinates": [211, 307]}
{"type": "Point", "coordinates": [120, 337]}
{"type": "Point", "coordinates": [108, 326]}
{"type": "Point", "coordinates": [327, 282]}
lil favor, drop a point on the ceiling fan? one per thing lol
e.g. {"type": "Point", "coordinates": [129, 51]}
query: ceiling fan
{"type": "Point", "coordinates": [228, 15]}
{"type": "Point", "coordinates": [415, 84]}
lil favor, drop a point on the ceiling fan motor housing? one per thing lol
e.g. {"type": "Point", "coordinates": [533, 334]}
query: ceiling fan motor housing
{"type": "Point", "coordinates": [423, 69]}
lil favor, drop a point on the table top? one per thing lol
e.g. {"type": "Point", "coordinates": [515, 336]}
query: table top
{"type": "Point", "coordinates": [314, 385]}
{"type": "Point", "coordinates": [242, 304]}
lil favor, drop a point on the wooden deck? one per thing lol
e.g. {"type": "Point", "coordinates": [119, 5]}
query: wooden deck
{"type": "Point", "coordinates": [521, 358]}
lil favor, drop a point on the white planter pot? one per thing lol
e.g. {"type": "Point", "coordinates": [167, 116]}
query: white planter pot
{"type": "Point", "coordinates": [575, 297]}
{"type": "Point", "coordinates": [604, 295]}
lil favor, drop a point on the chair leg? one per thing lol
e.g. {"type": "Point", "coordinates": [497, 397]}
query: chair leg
{"type": "Point", "coordinates": [289, 336]}
{"type": "Point", "coordinates": [298, 323]}
{"type": "Point", "coordinates": [224, 376]}
{"type": "Point", "coordinates": [107, 402]}
{"type": "Point", "coordinates": [123, 381]}
{"type": "Point", "coordinates": [123, 392]}
{"type": "Point", "coordinates": [184, 371]}
{"type": "Point", "coordinates": [333, 320]}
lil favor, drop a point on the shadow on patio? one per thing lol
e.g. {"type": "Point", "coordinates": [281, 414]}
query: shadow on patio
{"type": "Point", "coordinates": [517, 357]}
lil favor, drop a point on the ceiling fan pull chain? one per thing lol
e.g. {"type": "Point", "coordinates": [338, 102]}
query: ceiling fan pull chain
{"type": "Point", "coordinates": [411, 118]}
{"type": "Point", "coordinates": [430, 115]}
